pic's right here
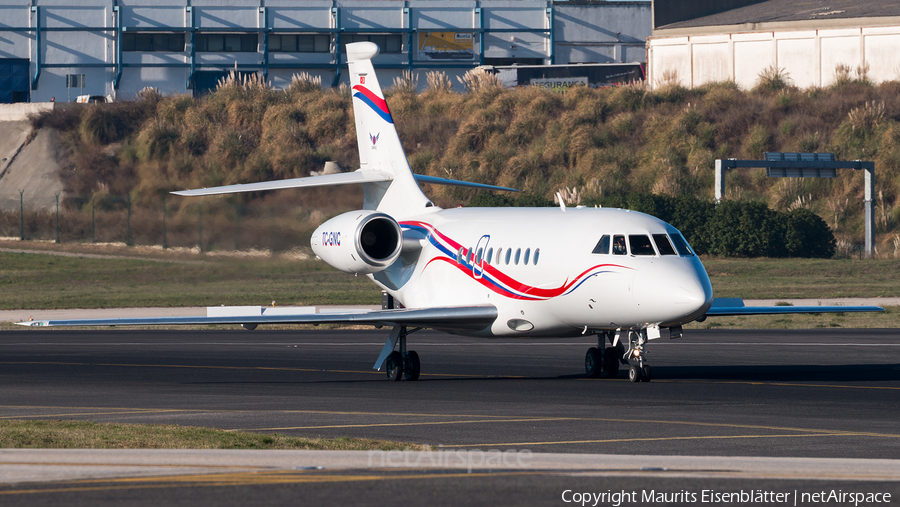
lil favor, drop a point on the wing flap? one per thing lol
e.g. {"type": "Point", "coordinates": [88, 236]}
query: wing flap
{"type": "Point", "coordinates": [451, 318]}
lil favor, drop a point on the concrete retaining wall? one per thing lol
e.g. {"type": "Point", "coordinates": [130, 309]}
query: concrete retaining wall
{"type": "Point", "coordinates": [20, 111]}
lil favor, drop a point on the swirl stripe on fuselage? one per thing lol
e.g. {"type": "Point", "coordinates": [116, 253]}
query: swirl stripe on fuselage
{"type": "Point", "coordinates": [492, 277]}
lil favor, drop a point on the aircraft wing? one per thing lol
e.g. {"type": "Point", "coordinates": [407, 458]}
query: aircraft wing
{"type": "Point", "coordinates": [445, 318]}
{"type": "Point", "coordinates": [726, 307]}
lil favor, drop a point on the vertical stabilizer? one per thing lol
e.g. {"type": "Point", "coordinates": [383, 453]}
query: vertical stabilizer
{"type": "Point", "coordinates": [379, 145]}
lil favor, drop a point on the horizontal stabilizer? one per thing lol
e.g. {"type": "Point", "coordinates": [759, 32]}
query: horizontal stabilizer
{"type": "Point", "coordinates": [369, 176]}
{"type": "Point", "coordinates": [447, 318]}
{"type": "Point", "coordinates": [457, 183]}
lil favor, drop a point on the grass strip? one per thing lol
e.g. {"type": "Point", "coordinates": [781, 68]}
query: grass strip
{"type": "Point", "coordinates": [57, 434]}
{"type": "Point", "coordinates": [37, 281]}
{"type": "Point", "coordinates": [764, 278]}
{"type": "Point", "coordinates": [889, 319]}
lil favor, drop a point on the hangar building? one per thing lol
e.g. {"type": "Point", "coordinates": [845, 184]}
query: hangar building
{"type": "Point", "coordinates": [720, 40]}
{"type": "Point", "coordinates": [62, 49]}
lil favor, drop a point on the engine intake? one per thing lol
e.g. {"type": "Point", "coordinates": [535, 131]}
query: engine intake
{"type": "Point", "coordinates": [362, 241]}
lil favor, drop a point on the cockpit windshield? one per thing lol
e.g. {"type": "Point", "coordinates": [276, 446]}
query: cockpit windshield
{"type": "Point", "coordinates": [681, 245]}
{"type": "Point", "coordinates": [641, 244]}
{"type": "Point", "coordinates": [663, 244]}
{"type": "Point", "coordinates": [602, 245]}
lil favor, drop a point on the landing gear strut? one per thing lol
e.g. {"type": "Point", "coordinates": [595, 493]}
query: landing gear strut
{"type": "Point", "coordinates": [402, 363]}
{"type": "Point", "coordinates": [638, 370]}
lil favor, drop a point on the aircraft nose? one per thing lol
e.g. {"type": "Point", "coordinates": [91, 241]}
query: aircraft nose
{"type": "Point", "coordinates": [670, 289]}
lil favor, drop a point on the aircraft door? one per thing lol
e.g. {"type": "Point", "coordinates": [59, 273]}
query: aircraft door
{"type": "Point", "coordinates": [480, 253]}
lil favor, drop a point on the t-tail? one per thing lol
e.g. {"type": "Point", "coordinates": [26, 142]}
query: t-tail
{"type": "Point", "coordinates": [389, 185]}
{"type": "Point", "coordinates": [380, 148]}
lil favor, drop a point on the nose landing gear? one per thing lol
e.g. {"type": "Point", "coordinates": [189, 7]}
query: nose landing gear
{"type": "Point", "coordinates": [638, 370]}
{"type": "Point", "coordinates": [604, 361]}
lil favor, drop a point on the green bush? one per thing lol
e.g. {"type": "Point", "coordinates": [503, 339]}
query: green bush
{"type": "Point", "coordinates": [692, 217]}
{"type": "Point", "coordinates": [807, 235]}
{"type": "Point", "coordinates": [733, 228]}
{"type": "Point", "coordinates": [746, 229]}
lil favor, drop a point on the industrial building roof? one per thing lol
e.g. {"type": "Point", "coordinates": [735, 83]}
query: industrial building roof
{"type": "Point", "coordinates": [777, 11]}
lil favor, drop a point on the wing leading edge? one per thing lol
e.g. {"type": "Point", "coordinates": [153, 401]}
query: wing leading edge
{"type": "Point", "coordinates": [446, 318]}
{"type": "Point", "coordinates": [726, 307]}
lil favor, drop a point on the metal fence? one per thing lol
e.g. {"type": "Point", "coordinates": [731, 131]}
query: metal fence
{"type": "Point", "coordinates": [213, 224]}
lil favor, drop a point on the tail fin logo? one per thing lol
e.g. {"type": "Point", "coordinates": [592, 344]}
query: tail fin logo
{"type": "Point", "coordinates": [374, 138]}
{"type": "Point", "coordinates": [373, 101]}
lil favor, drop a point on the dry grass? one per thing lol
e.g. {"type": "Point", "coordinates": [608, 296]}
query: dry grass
{"type": "Point", "coordinates": [620, 140]}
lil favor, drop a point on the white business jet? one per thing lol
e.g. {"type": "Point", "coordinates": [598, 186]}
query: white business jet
{"type": "Point", "coordinates": [623, 276]}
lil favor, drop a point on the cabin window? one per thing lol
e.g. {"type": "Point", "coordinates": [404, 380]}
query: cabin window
{"type": "Point", "coordinates": [663, 244]}
{"type": "Point", "coordinates": [527, 255]}
{"type": "Point", "coordinates": [490, 255]}
{"type": "Point", "coordinates": [537, 252]}
{"type": "Point", "coordinates": [459, 255]}
{"type": "Point", "coordinates": [602, 245]}
{"type": "Point", "coordinates": [471, 255]}
{"type": "Point", "coordinates": [478, 257]}
{"type": "Point", "coordinates": [518, 255]}
{"type": "Point", "coordinates": [618, 245]}
{"type": "Point", "coordinates": [499, 255]}
{"type": "Point", "coordinates": [682, 246]}
{"type": "Point", "coordinates": [508, 253]}
{"type": "Point", "coordinates": [640, 245]}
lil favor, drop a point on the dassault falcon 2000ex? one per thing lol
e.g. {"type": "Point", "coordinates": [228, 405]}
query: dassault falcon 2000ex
{"type": "Point", "coordinates": [623, 276]}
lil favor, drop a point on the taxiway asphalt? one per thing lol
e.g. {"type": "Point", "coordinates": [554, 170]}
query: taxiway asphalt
{"type": "Point", "coordinates": [821, 394]}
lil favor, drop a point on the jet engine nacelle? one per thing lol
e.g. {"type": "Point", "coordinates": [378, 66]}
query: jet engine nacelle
{"type": "Point", "coordinates": [363, 241]}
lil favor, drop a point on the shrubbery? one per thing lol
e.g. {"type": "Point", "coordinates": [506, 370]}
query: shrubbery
{"type": "Point", "coordinates": [625, 141]}
{"type": "Point", "coordinates": [730, 229]}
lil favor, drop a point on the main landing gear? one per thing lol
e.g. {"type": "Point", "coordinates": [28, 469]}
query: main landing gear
{"type": "Point", "coordinates": [604, 361]}
{"type": "Point", "coordinates": [402, 363]}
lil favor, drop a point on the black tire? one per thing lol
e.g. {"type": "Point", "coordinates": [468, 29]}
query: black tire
{"type": "Point", "coordinates": [593, 362]}
{"type": "Point", "coordinates": [634, 373]}
{"type": "Point", "coordinates": [411, 366]}
{"type": "Point", "coordinates": [646, 374]}
{"type": "Point", "coordinates": [610, 363]}
{"type": "Point", "coordinates": [394, 366]}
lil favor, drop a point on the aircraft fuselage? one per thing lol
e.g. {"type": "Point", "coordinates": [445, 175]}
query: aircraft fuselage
{"type": "Point", "coordinates": [543, 270]}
